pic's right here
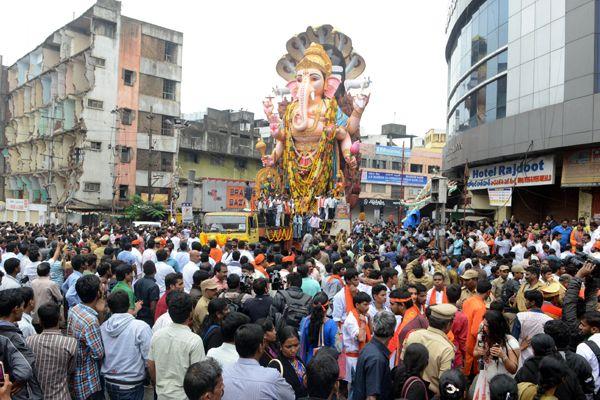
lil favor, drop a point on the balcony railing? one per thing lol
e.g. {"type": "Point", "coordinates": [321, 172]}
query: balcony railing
{"type": "Point", "coordinates": [231, 145]}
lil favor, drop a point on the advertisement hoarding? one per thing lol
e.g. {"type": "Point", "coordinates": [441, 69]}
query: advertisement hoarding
{"type": "Point", "coordinates": [390, 178]}
{"type": "Point", "coordinates": [581, 168]}
{"type": "Point", "coordinates": [500, 197]}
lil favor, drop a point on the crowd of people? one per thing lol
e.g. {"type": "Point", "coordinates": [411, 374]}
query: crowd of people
{"type": "Point", "coordinates": [492, 311]}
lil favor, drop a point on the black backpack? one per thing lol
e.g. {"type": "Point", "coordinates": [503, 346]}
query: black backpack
{"type": "Point", "coordinates": [235, 304]}
{"type": "Point", "coordinates": [295, 309]}
{"type": "Point", "coordinates": [594, 347]}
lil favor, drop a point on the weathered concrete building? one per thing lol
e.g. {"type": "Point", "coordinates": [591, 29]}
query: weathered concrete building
{"type": "Point", "coordinates": [3, 118]}
{"type": "Point", "coordinates": [82, 108]}
{"type": "Point", "coordinates": [219, 145]}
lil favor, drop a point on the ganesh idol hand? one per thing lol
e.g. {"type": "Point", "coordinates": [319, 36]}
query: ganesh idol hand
{"type": "Point", "coordinates": [268, 161]}
{"type": "Point", "coordinates": [352, 162]}
{"type": "Point", "coordinates": [360, 102]}
{"type": "Point", "coordinates": [268, 106]}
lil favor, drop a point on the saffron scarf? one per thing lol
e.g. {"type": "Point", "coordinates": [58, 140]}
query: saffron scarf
{"type": "Point", "coordinates": [433, 298]}
{"type": "Point", "coordinates": [363, 326]}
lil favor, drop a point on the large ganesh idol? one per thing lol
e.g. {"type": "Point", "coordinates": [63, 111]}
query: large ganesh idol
{"type": "Point", "coordinates": [313, 132]}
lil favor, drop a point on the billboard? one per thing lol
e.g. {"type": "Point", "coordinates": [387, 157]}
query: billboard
{"type": "Point", "coordinates": [390, 178]}
{"type": "Point", "coordinates": [17, 204]}
{"type": "Point", "coordinates": [223, 195]}
{"type": "Point", "coordinates": [530, 172]}
{"type": "Point", "coordinates": [394, 151]}
{"type": "Point", "coordinates": [581, 168]}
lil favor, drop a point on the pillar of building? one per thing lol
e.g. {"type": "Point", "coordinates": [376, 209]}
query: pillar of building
{"type": "Point", "coordinates": [502, 213]}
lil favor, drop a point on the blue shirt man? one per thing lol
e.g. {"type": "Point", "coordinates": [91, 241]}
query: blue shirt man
{"type": "Point", "coordinates": [457, 246]}
{"type": "Point", "coordinates": [565, 230]}
{"type": "Point", "coordinates": [68, 287]}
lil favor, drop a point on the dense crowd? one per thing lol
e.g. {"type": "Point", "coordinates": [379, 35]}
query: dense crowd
{"type": "Point", "coordinates": [490, 311]}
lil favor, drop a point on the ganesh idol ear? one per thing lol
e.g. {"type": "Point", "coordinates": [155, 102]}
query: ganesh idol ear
{"type": "Point", "coordinates": [331, 85]}
{"type": "Point", "coordinates": [293, 86]}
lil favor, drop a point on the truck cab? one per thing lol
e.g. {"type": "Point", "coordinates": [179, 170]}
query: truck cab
{"type": "Point", "coordinates": [235, 225]}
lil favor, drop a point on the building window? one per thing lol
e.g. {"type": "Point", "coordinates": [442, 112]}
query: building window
{"type": "Point", "coordinates": [375, 188]}
{"type": "Point", "coordinates": [167, 126]}
{"type": "Point", "coordinates": [166, 162]}
{"type": "Point", "coordinates": [396, 165]}
{"type": "Point", "coordinates": [216, 160]}
{"type": "Point", "coordinates": [125, 154]}
{"type": "Point", "coordinates": [397, 192]}
{"type": "Point", "coordinates": [364, 162]}
{"type": "Point", "coordinates": [128, 77]}
{"type": "Point", "coordinates": [170, 52]}
{"type": "Point", "coordinates": [241, 163]}
{"type": "Point", "coordinates": [363, 187]}
{"type": "Point", "coordinates": [96, 146]}
{"type": "Point", "coordinates": [91, 187]}
{"type": "Point", "coordinates": [105, 28]}
{"type": "Point", "coordinates": [126, 116]}
{"type": "Point", "coordinates": [433, 169]}
{"type": "Point", "coordinates": [98, 62]}
{"type": "Point", "coordinates": [169, 88]}
{"type": "Point", "coordinates": [123, 192]}
{"type": "Point", "coordinates": [379, 164]}
{"type": "Point", "coordinates": [417, 168]}
{"type": "Point", "coordinates": [97, 104]}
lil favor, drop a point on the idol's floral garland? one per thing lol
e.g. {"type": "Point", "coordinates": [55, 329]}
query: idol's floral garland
{"type": "Point", "coordinates": [315, 179]}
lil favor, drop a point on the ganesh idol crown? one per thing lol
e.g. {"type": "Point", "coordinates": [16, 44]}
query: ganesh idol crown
{"type": "Point", "coordinates": [316, 124]}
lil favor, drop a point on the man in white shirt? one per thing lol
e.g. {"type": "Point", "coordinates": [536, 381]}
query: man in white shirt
{"type": "Point", "coordinates": [354, 332]}
{"type": "Point", "coordinates": [314, 222]}
{"type": "Point", "coordinates": [189, 269]}
{"type": "Point", "coordinates": [226, 354]}
{"type": "Point", "coordinates": [503, 245]}
{"type": "Point", "coordinates": [519, 249]}
{"type": "Point", "coordinates": [9, 280]}
{"type": "Point", "coordinates": [182, 256]}
{"type": "Point", "coordinates": [12, 250]}
{"type": "Point", "coordinates": [556, 237]}
{"type": "Point", "coordinates": [136, 246]}
{"type": "Point", "coordinates": [162, 270]}
{"type": "Point", "coordinates": [590, 349]}
{"type": "Point", "coordinates": [149, 254]}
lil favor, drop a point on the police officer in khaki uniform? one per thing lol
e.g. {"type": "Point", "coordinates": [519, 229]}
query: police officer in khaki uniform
{"type": "Point", "coordinates": [498, 283]}
{"type": "Point", "coordinates": [469, 285]}
{"type": "Point", "coordinates": [441, 349]}
{"type": "Point", "coordinates": [532, 282]}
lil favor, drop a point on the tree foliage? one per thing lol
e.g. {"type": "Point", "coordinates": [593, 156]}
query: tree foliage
{"type": "Point", "coordinates": [140, 210]}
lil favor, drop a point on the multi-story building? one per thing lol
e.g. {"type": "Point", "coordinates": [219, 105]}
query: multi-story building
{"type": "Point", "coordinates": [218, 146]}
{"type": "Point", "coordinates": [524, 106]}
{"type": "Point", "coordinates": [83, 106]}
{"type": "Point", "coordinates": [385, 182]}
{"type": "Point", "coordinates": [3, 118]}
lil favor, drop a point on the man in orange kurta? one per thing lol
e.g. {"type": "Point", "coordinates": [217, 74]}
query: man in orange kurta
{"type": "Point", "coordinates": [401, 304]}
{"type": "Point", "coordinates": [474, 309]}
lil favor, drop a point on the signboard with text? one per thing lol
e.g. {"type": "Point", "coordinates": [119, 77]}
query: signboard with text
{"type": "Point", "coordinates": [235, 197]}
{"type": "Point", "coordinates": [390, 178]}
{"type": "Point", "coordinates": [17, 204]}
{"type": "Point", "coordinates": [500, 197]}
{"type": "Point", "coordinates": [581, 168]}
{"type": "Point", "coordinates": [394, 151]}
{"type": "Point", "coordinates": [187, 214]}
{"type": "Point", "coordinates": [531, 172]}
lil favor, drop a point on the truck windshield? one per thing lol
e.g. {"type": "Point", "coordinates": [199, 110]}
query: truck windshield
{"type": "Point", "coordinates": [224, 223]}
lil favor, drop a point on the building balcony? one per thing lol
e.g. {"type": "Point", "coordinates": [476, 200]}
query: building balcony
{"type": "Point", "coordinates": [221, 144]}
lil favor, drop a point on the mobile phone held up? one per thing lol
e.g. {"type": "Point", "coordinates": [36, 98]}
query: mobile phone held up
{"type": "Point", "coordinates": [1, 373]}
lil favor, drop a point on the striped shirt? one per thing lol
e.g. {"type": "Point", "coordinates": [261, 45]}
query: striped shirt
{"type": "Point", "coordinates": [82, 324]}
{"type": "Point", "coordinates": [54, 361]}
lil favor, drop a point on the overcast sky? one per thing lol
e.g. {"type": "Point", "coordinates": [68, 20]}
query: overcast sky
{"type": "Point", "coordinates": [231, 48]}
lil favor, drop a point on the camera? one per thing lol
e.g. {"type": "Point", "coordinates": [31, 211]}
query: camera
{"type": "Point", "coordinates": [246, 283]}
{"type": "Point", "coordinates": [580, 258]}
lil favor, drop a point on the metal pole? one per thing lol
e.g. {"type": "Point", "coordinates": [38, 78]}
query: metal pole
{"type": "Point", "coordinates": [401, 186]}
{"type": "Point", "coordinates": [50, 164]}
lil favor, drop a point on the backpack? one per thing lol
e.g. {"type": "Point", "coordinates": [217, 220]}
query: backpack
{"type": "Point", "coordinates": [295, 309]}
{"type": "Point", "coordinates": [596, 350]}
{"type": "Point", "coordinates": [408, 384]}
{"type": "Point", "coordinates": [208, 332]}
{"type": "Point", "coordinates": [235, 304]}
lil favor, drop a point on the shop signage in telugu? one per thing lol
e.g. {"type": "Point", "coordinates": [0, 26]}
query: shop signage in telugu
{"type": "Point", "coordinates": [390, 178]}
{"type": "Point", "coordinates": [531, 172]}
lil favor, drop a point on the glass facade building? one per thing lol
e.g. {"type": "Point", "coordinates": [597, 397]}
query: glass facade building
{"type": "Point", "coordinates": [505, 57]}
